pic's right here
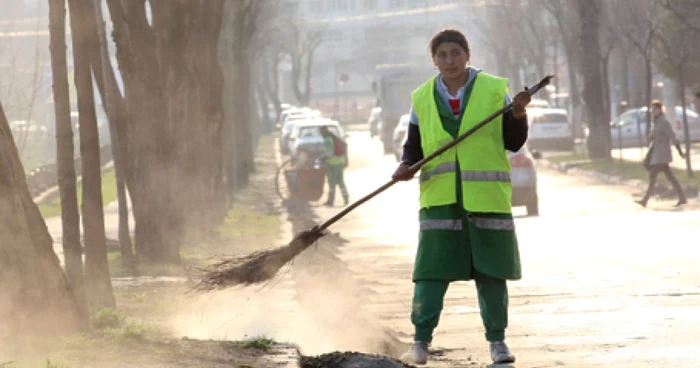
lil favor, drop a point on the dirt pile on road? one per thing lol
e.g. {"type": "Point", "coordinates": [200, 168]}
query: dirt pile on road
{"type": "Point", "coordinates": [351, 360]}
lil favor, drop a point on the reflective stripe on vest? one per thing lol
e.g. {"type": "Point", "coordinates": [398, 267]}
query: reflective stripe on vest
{"type": "Point", "coordinates": [492, 223]}
{"type": "Point", "coordinates": [454, 225]}
{"type": "Point", "coordinates": [502, 176]}
{"type": "Point", "coordinates": [448, 167]}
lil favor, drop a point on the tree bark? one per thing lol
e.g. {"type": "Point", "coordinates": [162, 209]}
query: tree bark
{"type": "Point", "coordinates": [116, 114]}
{"type": "Point", "coordinates": [37, 297]}
{"type": "Point", "coordinates": [98, 282]}
{"type": "Point", "coordinates": [598, 144]}
{"type": "Point", "coordinates": [67, 180]}
{"type": "Point", "coordinates": [686, 132]}
{"type": "Point", "coordinates": [150, 141]}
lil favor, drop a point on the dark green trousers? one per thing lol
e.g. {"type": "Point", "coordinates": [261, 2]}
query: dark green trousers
{"type": "Point", "coordinates": [428, 297]}
{"type": "Point", "coordinates": [335, 174]}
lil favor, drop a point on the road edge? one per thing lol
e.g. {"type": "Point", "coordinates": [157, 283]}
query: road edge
{"type": "Point", "coordinates": [570, 168]}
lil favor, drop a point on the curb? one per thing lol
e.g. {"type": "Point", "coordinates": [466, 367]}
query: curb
{"type": "Point", "coordinates": [285, 356]}
{"type": "Point", "coordinates": [52, 192]}
{"type": "Point", "coordinates": [605, 178]}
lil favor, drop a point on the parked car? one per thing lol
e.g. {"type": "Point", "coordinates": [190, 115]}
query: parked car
{"type": "Point", "coordinates": [373, 121]}
{"type": "Point", "coordinates": [550, 129]}
{"type": "Point", "coordinates": [289, 124]}
{"type": "Point", "coordinates": [523, 177]}
{"type": "Point", "coordinates": [539, 103]}
{"type": "Point", "coordinates": [400, 134]}
{"type": "Point", "coordinates": [630, 128]}
{"type": "Point", "coordinates": [293, 111]}
{"type": "Point", "coordinates": [306, 138]}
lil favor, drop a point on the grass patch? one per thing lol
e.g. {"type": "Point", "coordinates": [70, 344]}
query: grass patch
{"type": "Point", "coordinates": [258, 343]}
{"type": "Point", "coordinates": [113, 323]}
{"type": "Point", "coordinates": [117, 268]}
{"type": "Point", "coordinates": [107, 318]}
{"type": "Point", "coordinates": [627, 170]}
{"type": "Point", "coordinates": [242, 220]}
{"type": "Point", "coordinates": [134, 330]}
{"type": "Point", "coordinates": [566, 157]}
{"type": "Point", "coordinates": [109, 195]}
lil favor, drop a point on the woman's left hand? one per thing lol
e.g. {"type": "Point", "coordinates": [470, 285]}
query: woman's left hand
{"type": "Point", "coordinates": [520, 101]}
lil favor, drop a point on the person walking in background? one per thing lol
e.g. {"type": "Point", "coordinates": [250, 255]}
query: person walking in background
{"type": "Point", "coordinates": [659, 156]}
{"type": "Point", "coordinates": [335, 161]}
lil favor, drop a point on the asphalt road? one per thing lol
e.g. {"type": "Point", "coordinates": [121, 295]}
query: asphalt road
{"type": "Point", "coordinates": [605, 283]}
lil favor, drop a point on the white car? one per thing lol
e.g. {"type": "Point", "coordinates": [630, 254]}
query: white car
{"type": "Point", "coordinates": [400, 135]}
{"type": "Point", "coordinates": [373, 121]}
{"type": "Point", "coordinates": [550, 129]}
{"type": "Point", "coordinates": [306, 139]}
{"type": "Point", "coordinates": [539, 104]}
{"type": "Point", "coordinates": [290, 121]}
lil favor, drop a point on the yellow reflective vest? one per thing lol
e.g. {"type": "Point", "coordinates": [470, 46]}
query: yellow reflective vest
{"type": "Point", "coordinates": [484, 168]}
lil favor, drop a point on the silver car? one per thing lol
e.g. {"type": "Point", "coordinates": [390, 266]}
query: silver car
{"type": "Point", "coordinates": [629, 129]}
{"type": "Point", "coordinates": [523, 176]}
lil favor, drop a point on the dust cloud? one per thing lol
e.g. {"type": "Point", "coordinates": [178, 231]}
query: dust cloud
{"type": "Point", "coordinates": [315, 302]}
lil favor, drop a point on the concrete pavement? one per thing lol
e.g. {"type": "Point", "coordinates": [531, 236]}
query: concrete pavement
{"type": "Point", "coordinates": [605, 282]}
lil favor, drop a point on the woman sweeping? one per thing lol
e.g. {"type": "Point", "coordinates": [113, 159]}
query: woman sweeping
{"type": "Point", "coordinates": [659, 156]}
{"type": "Point", "coordinates": [466, 227]}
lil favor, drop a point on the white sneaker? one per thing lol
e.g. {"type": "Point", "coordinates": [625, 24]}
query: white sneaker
{"type": "Point", "coordinates": [416, 354]}
{"type": "Point", "coordinates": [500, 353]}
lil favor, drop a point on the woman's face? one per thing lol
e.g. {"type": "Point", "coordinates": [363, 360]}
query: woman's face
{"type": "Point", "coordinates": [451, 60]}
{"type": "Point", "coordinates": [655, 111]}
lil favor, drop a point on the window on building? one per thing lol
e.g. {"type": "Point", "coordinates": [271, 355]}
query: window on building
{"type": "Point", "coordinates": [316, 6]}
{"type": "Point", "coordinates": [335, 36]}
{"type": "Point", "coordinates": [417, 3]}
{"type": "Point", "coordinates": [371, 4]}
{"type": "Point", "coordinates": [334, 5]}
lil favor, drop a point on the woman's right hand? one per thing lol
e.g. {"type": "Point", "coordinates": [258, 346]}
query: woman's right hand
{"type": "Point", "coordinates": [403, 173]}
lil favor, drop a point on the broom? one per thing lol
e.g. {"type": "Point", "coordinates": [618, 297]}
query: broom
{"type": "Point", "coordinates": [262, 266]}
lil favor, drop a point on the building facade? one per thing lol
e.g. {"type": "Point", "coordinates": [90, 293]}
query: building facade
{"type": "Point", "coordinates": [359, 35]}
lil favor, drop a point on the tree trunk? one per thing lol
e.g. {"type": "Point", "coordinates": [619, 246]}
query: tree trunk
{"type": "Point", "coordinates": [150, 148]}
{"type": "Point", "coordinates": [598, 144]}
{"type": "Point", "coordinates": [37, 297]}
{"type": "Point", "coordinates": [115, 110]}
{"type": "Point", "coordinates": [70, 218]}
{"type": "Point", "coordinates": [271, 85]}
{"type": "Point", "coordinates": [686, 132]}
{"type": "Point", "coordinates": [264, 105]}
{"type": "Point", "coordinates": [647, 92]}
{"type": "Point", "coordinates": [98, 282]}
{"type": "Point", "coordinates": [243, 151]}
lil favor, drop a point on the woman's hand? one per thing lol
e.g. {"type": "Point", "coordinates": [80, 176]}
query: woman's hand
{"type": "Point", "coordinates": [520, 101]}
{"type": "Point", "coordinates": [403, 173]}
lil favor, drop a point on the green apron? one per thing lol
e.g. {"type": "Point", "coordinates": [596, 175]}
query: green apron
{"type": "Point", "coordinates": [452, 240]}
